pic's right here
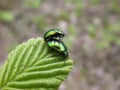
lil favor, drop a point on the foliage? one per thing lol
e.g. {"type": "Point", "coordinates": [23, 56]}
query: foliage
{"type": "Point", "coordinates": [6, 16]}
{"type": "Point", "coordinates": [32, 4]}
{"type": "Point", "coordinates": [32, 65]}
{"type": "Point", "coordinates": [40, 22]}
{"type": "Point", "coordinates": [115, 6]}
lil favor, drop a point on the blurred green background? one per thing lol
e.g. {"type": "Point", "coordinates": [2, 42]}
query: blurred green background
{"type": "Point", "coordinates": [92, 30]}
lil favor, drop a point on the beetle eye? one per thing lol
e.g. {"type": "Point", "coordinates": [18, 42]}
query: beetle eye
{"type": "Point", "coordinates": [47, 39]}
{"type": "Point", "coordinates": [61, 35]}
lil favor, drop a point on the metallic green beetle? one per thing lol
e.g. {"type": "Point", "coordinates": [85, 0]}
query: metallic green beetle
{"type": "Point", "coordinates": [58, 46]}
{"type": "Point", "coordinates": [53, 34]}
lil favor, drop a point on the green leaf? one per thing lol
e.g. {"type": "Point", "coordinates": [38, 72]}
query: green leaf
{"type": "Point", "coordinates": [6, 16]}
{"type": "Point", "coordinates": [94, 2]}
{"type": "Point", "coordinates": [92, 30]}
{"type": "Point", "coordinates": [72, 30]}
{"type": "Point", "coordinates": [102, 45]}
{"type": "Point", "coordinates": [0, 69]}
{"type": "Point", "coordinates": [40, 22]}
{"type": "Point", "coordinates": [32, 3]}
{"type": "Point", "coordinates": [34, 66]}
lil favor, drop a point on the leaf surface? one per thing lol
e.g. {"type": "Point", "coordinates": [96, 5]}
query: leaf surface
{"type": "Point", "coordinates": [34, 66]}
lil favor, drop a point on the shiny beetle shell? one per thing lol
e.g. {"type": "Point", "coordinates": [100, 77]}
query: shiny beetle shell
{"type": "Point", "coordinates": [53, 34]}
{"type": "Point", "coordinates": [59, 47]}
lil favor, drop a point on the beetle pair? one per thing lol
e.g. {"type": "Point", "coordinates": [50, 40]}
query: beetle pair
{"type": "Point", "coordinates": [54, 37]}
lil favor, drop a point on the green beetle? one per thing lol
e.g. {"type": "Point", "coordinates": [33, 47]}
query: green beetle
{"type": "Point", "coordinates": [58, 46]}
{"type": "Point", "coordinates": [53, 34]}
